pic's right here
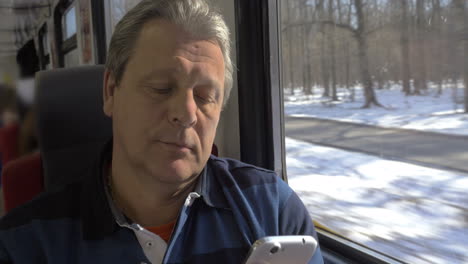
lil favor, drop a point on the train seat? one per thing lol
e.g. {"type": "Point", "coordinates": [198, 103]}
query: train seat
{"type": "Point", "coordinates": [71, 129]}
{"type": "Point", "coordinates": [71, 124]}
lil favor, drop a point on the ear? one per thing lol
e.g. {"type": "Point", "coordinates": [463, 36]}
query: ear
{"type": "Point", "coordinates": [108, 93]}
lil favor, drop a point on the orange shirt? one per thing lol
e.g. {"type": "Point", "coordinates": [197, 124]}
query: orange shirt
{"type": "Point", "coordinates": [163, 231]}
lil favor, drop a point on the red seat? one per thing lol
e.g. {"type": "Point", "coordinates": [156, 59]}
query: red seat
{"type": "Point", "coordinates": [22, 180]}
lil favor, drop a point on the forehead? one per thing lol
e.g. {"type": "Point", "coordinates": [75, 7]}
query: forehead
{"type": "Point", "coordinates": [162, 45]}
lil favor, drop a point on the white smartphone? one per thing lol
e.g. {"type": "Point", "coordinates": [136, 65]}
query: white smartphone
{"type": "Point", "coordinates": [282, 249]}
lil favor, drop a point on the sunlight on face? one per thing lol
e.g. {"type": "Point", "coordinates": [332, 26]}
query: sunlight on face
{"type": "Point", "coordinates": [166, 109]}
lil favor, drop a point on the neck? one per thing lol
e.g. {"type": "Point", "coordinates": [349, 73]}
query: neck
{"type": "Point", "coordinates": [146, 200]}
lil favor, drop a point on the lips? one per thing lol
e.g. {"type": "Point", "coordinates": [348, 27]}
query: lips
{"type": "Point", "coordinates": [177, 144]}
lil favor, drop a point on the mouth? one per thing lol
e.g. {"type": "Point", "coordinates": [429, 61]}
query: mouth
{"type": "Point", "coordinates": [177, 145]}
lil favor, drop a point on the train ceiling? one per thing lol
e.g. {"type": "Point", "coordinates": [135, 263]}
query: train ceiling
{"type": "Point", "coordinates": [18, 22]}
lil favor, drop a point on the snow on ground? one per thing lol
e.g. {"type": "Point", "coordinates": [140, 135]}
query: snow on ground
{"type": "Point", "coordinates": [425, 112]}
{"type": "Point", "coordinates": [414, 213]}
{"type": "Point", "coordinates": [411, 212]}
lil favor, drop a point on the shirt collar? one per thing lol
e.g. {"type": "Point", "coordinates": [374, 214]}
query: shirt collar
{"type": "Point", "coordinates": [209, 188]}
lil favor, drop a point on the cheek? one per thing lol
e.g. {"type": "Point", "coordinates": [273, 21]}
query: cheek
{"type": "Point", "coordinates": [207, 131]}
{"type": "Point", "coordinates": [134, 115]}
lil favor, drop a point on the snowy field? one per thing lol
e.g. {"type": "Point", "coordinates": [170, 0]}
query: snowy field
{"type": "Point", "coordinates": [414, 213]}
{"type": "Point", "coordinates": [427, 112]}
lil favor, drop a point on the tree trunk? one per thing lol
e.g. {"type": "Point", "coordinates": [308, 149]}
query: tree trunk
{"type": "Point", "coordinates": [305, 49]}
{"type": "Point", "coordinates": [323, 51]}
{"type": "Point", "coordinates": [290, 46]}
{"type": "Point", "coordinates": [465, 39]}
{"type": "Point", "coordinates": [325, 68]}
{"type": "Point", "coordinates": [369, 93]}
{"type": "Point", "coordinates": [348, 60]}
{"type": "Point", "coordinates": [458, 52]}
{"type": "Point", "coordinates": [310, 90]}
{"type": "Point", "coordinates": [466, 70]}
{"type": "Point", "coordinates": [437, 47]}
{"type": "Point", "coordinates": [420, 80]}
{"type": "Point", "coordinates": [404, 43]}
{"type": "Point", "coordinates": [331, 55]}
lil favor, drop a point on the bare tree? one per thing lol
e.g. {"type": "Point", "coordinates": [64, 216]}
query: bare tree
{"type": "Point", "coordinates": [462, 37]}
{"type": "Point", "coordinates": [324, 60]}
{"type": "Point", "coordinates": [404, 43]}
{"type": "Point", "coordinates": [331, 53]}
{"type": "Point", "coordinates": [347, 51]}
{"type": "Point", "coordinates": [361, 36]}
{"type": "Point", "coordinates": [455, 24]}
{"type": "Point", "coordinates": [288, 58]}
{"type": "Point", "coordinates": [420, 80]}
{"type": "Point", "coordinates": [338, 43]}
{"type": "Point", "coordinates": [306, 31]}
{"type": "Point", "coordinates": [436, 41]}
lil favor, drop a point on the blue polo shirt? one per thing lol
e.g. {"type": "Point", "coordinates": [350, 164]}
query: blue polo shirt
{"type": "Point", "coordinates": [237, 204]}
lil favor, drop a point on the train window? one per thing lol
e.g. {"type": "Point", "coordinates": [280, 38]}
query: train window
{"type": "Point", "coordinates": [65, 22]}
{"type": "Point", "coordinates": [115, 10]}
{"type": "Point", "coordinates": [376, 123]}
{"type": "Point", "coordinates": [71, 58]}
{"type": "Point", "coordinates": [69, 23]}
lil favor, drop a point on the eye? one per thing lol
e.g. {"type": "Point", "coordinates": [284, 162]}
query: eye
{"type": "Point", "coordinates": [204, 99]}
{"type": "Point", "coordinates": [162, 90]}
{"type": "Point", "coordinates": [165, 89]}
{"type": "Point", "coordinates": [201, 99]}
{"type": "Point", "coordinates": [205, 94]}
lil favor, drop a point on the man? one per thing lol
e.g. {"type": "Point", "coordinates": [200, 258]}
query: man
{"type": "Point", "coordinates": [156, 195]}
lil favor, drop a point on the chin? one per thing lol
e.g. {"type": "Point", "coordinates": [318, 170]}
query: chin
{"type": "Point", "coordinates": [178, 171]}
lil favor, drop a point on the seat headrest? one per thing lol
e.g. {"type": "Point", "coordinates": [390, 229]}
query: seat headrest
{"type": "Point", "coordinates": [70, 120]}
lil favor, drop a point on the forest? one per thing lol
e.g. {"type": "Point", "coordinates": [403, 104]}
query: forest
{"type": "Point", "coordinates": [329, 45]}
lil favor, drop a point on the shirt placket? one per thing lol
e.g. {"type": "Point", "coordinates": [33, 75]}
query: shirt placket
{"type": "Point", "coordinates": [182, 219]}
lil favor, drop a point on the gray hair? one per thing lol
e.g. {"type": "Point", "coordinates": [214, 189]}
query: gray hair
{"type": "Point", "coordinates": [195, 16]}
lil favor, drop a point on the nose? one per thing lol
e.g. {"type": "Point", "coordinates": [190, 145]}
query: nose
{"type": "Point", "coordinates": [183, 109]}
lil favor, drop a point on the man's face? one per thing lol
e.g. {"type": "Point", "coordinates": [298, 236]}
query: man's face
{"type": "Point", "coordinates": [167, 106]}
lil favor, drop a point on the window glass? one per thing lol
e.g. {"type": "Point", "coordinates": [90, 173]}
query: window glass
{"type": "Point", "coordinates": [376, 102]}
{"type": "Point", "coordinates": [69, 22]}
{"type": "Point", "coordinates": [119, 8]}
{"type": "Point", "coordinates": [116, 9]}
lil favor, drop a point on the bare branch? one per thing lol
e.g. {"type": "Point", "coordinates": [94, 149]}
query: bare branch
{"type": "Point", "coordinates": [320, 22]}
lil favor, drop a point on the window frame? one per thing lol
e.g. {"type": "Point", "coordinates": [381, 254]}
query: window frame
{"type": "Point", "coordinates": [44, 59]}
{"type": "Point", "coordinates": [98, 15]}
{"type": "Point", "coordinates": [258, 53]}
{"type": "Point", "coordinates": [69, 44]}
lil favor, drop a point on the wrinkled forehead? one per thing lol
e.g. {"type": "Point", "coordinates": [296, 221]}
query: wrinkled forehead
{"type": "Point", "coordinates": [167, 37]}
{"type": "Point", "coordinates": [162, 45]}
{"type": "Point", "coordinates": [168, 33]}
